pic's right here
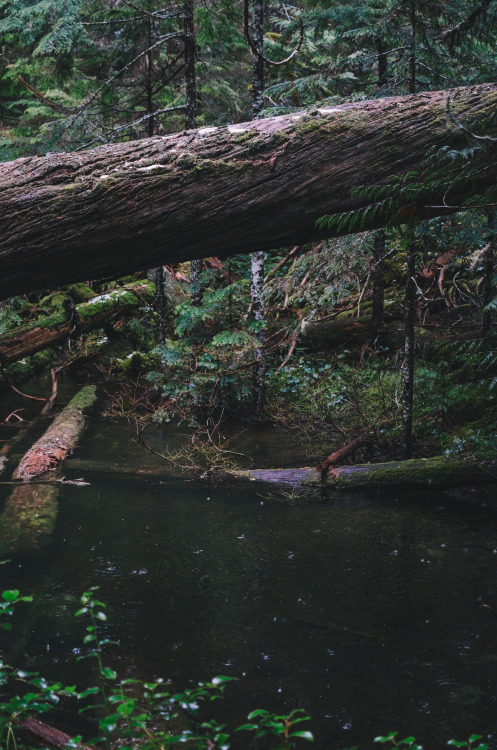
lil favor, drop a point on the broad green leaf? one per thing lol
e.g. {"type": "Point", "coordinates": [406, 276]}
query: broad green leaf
{"type": "Point", "coordinates": [305, 735]}
{"type": "Point", "coordinates": [10, 596]}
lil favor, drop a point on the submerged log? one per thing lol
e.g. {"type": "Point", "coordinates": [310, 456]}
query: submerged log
{"type": "Point", "coordinates": [60, 438]}
{"type": "Point", "coordinates": [27, 520]}
{"type": "Point", "coordinates": [417, 473]}
{"type": "Point", "coordinates": [24, 341]}
{"type": "Point", "coordinates": [117, 208]}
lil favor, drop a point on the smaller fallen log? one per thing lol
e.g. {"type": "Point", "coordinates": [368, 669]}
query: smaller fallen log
{"type": "Point", "coordinates": [35, 730]}
{"type": "Point", "coordinates": [59, 439]}
{"type": "Point", "coordinates": [439, 472]}
{"type": "Point", "coordinates": [338, 456]}
{"type": "Point", "coordinates": [55, 329]}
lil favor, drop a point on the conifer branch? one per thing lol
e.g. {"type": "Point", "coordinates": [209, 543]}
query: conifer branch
{"type": "Point", "coordinates": [253, 46]}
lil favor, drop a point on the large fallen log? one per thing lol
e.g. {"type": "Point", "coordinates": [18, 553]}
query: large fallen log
{"type": "Point", "coordinates": [24, 341]}
{"type": "Point", "coordinates": [417, 473]}
{"type": "Point", "coordinates": [226, 190]}
{"type": "Point", "coordinates": [59, 439]}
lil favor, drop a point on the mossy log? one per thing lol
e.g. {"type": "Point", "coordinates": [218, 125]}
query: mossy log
{"type": "Point", "coordinates": [28, 518]}
{"type": "Point", "coordinates": [418, 473]}
{"type": "Point", "coordinates": [59, 439]}
{"type": "Point", "coordinates": [21, 342]}
{"type": "Point", "coordinates": [263, 184]}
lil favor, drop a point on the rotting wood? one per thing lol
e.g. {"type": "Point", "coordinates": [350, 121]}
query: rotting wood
{"type": "Point", "coordinates": [24, 341]}
{"type": "Point", "coordinates": [263, 184]}
{"type": "Point", "coordinates": [59, 439]}
{"type": "Point", "coordinates": [338, 456]}
{"type": "Point", "coordinates": [35, 730]}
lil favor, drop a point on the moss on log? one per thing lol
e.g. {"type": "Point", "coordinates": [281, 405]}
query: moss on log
{"type": "Point", "coordinates": [28, 518]}
{"type": "Point", "coordinates": [59, 439]}
{"type": "Point", "coordinates": [417, 473]}
{"type": "Point", "coordinates": [21, 342]}
{"type": "Point", "coordinates": [117, 208]}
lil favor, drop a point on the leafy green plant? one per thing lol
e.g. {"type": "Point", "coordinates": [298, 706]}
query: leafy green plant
{"type": "Point", "coordinates": [266, 724]}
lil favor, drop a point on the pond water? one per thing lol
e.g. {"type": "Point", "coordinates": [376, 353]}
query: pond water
{"type": "Point", "coordinates": [363, 610]}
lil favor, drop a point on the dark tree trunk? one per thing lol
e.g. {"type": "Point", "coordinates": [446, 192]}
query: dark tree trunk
{"type": "Point", "coordinates": [257, 62]}
{"type": "Point", "coordinates": [488, 271]}
{"type": "Point", "coordinates": [408, 364]}
{"type": "Point", "coordinates": [382, 63]}
{"type": "Point", "coordinates": [412, 53]}
{"type": "Point", "coordinates": [378, 284]}
{"type": "Point", "coordinates": [160, 304]}
{"type": "Point", "coordinates": [124, 207]}
{"type": "Point", "coordinates": [190, 54]}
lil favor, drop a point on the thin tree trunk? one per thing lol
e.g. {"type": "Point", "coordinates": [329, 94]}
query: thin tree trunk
{"type": "Point", "coordinates": [160, 304]}
{"type": "Point", "coordinates": [257, 292]}
{"type": "Point", "coordinates": [197, 265]}
{"type": "Point", "coordinates": [382, 63]}
{"type": "Point", "coordinates": [257, 62]}
{"type": "Point", "coordinates": [378, 284]}
{"type": "Point", "coordinates": [257, 258]}
{"type": "Point", "coordinates": [412, 55]}
{"type": "Point", "coordinates": [408, 364]}
{"type": "Point", "coordinates": [488, 271]}
{"type": "Point", "coordinates": [190, 54]}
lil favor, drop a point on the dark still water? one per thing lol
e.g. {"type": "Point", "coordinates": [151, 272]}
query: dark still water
{"type": "Point", "coordinates": [362, 610]}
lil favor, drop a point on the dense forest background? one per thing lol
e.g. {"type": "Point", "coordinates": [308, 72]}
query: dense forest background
{"type": "Point", "coordinates": [318, 338]}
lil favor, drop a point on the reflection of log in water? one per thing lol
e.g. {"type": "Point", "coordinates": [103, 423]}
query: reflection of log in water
{"type": "Point", "coordinates": [28, 518]}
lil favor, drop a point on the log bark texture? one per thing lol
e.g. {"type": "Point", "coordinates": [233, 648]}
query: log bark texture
{"type": "Point", "coordinates": [417, 473]}
{"type": "Point", "coordinates": [118, 208]}
{"type": "Point", "coordinates": [24, 341]}
{"type": "Point", "coordinates": [38, 731]}
{"type": "Point", "coordinates": [59, 439]}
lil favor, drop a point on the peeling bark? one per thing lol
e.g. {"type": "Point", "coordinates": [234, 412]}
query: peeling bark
{"type": "Point", "coordinates": [60, 438]}
{"type": "Point", "coordinates": [118, 208]}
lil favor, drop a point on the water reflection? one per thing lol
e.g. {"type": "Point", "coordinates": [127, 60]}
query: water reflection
{"type": "Point", "coordinates": [362, 610]}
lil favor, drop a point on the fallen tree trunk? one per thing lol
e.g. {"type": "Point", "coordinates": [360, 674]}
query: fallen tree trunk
{"type": "Point", "coordinates": [38, 731]}
{"type": "Point", "coordinates": [263, 184]}
{"type": "Point", "coordinates": [24, 341]}
{"type": "Point", "coordinates": [60, 438]}
{"type": "Point", "coordinates": [417, 473]}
